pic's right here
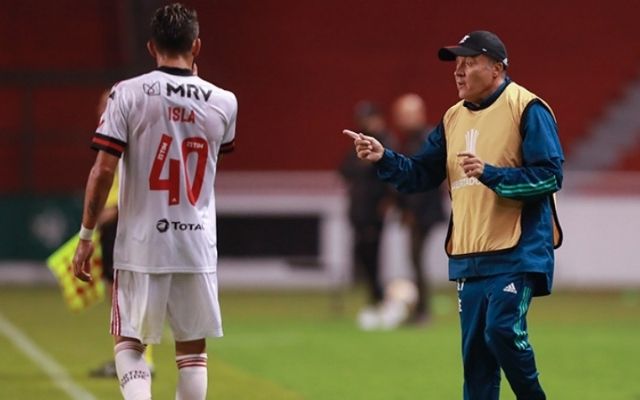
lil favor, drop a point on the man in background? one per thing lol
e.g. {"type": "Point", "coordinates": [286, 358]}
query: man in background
{"type": "Point", "coordinates": [419, 211]}
{"type": "Point", "coordinates": [368, 200]}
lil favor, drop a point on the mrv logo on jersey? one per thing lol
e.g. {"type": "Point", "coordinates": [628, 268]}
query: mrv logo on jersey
{"type": "Point", "coordinates": [164, 225]}
{"type": "Point", "coordinates": [188, 90]}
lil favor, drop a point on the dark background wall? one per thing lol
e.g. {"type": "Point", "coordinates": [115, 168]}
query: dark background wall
{"type": "Point", "coordinates": [297, 68]}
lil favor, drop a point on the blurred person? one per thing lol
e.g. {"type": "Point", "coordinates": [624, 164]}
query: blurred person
{"type": "Point", "coordinates": [420, 211]}
{"type": "Point", "coordinates": [499, 151]}
{"type": "Point", "coordinates": [107, 225]}
{"type": "Point", "coordinates": [169, 126]}
{"type": "Point", "coordinates": [368, 200]}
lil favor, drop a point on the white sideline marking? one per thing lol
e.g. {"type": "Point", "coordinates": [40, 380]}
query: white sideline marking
{"type": "Point", "coordinates": [58, 375]}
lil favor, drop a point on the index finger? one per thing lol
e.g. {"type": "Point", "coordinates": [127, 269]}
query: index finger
{"type": "Point", "coordinates": [353, 135]}
{"type": "Point", "coordinates": [465, 154]}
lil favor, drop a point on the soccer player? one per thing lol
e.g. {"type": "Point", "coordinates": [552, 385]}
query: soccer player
{"type": "Point", "coordinates": [499, 151]}
{"type": "Point", "coordinates": [107, 224]}
{"type": "Point", "coordinates": [169, 127]}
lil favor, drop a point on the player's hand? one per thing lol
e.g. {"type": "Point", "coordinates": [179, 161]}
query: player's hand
{"type": "Point", "coordinates": [472, 166]}
{"type": "Point", "coordinates": [82, 260]}
{"type": "Point", "coordinates": [367, 147]}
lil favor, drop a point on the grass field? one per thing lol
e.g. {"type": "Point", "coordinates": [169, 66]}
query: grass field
{"type": "Point", "coordinates": [306, 346]}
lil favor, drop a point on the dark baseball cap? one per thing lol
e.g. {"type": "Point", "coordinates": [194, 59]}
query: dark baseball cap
{"type": "Point", "coordinates": [474, 44]}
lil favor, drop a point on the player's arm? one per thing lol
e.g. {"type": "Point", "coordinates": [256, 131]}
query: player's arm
{"type": "Point", "coordinates": [542, 159]}
{"type": "Point", "coordinates": [98, 187]}
{"type": "Point", "coordinates": [109, 213]}
{"type": "Point", "coordinates": [97, 190]}
{"type": "Point", "coordinates": [420, 172]}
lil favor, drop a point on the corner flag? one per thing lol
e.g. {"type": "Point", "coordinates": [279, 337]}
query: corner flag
{"type": "Point", "coordinates": [77, 294]}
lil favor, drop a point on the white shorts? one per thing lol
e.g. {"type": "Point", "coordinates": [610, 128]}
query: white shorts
{"type": "Point", "coordinates": [141, 301]}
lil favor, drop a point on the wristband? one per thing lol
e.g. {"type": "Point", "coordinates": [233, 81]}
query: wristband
{"type": "Point", "coordinates": [85, 234]}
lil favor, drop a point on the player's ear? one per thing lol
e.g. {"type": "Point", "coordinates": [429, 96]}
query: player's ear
{"type": "Point", "coordinates": [195, 47]}
{"type": "Point", "coordinates": [152, 49]}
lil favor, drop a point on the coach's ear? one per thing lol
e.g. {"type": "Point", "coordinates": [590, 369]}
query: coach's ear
{"type": "Point", "coordinates": [195, 47]}
{"type": "Point", "coordinates": [498, 69]}
{"type": "Point", "coordinates": [152, 49]}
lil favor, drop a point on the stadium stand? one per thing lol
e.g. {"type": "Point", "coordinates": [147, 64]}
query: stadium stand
{"type": "Point", "coordinates": [302, 66]}
{"type": "Point", "coordinates": [610, 143]}
{"type": "Point", "coordinates": [631, 159]}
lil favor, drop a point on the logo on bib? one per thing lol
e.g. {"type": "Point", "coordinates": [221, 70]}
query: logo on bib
{"type": "Point", "coordinates": [471, 139]}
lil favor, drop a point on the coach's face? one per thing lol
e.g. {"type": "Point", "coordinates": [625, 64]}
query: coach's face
{"type": "Point", "coordinates": [477, 77]}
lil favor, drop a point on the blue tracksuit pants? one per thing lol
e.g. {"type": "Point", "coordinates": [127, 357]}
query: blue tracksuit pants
{"type": "Point", "coordinates": [493, 312]}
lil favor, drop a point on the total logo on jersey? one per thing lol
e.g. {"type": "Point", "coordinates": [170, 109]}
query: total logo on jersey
{"type": "Point", "coordinates": [164, 225]}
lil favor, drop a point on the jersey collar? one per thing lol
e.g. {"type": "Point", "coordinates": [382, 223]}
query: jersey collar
{"type": "Point", "coordinates": [489, 100]}
{"type": "Point", "coordinates": [176, 71]}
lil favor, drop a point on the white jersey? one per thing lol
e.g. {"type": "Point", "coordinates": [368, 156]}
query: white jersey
{"type": "Point", "coordinates": [169, 126]}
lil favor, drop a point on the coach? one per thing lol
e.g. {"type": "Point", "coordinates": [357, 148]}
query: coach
{"type": "Point", "coordinates": [498, 148]}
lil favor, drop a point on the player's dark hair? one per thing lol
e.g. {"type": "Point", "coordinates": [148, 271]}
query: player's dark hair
{"type": "Point", "coordinates": [174, 27]}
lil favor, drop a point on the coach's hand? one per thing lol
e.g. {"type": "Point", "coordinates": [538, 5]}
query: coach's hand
{"type": "Point", "coordinates": [473, 166]}
{"type": "Point", "coordinates": [82, 260]}
{"type": "Point", "coordinates": [367, 147]}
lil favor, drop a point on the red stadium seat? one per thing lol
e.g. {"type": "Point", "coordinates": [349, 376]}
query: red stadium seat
{"type": "Point", "coordinates": [63, 35]}
{"type": "Point", "coordinates": [64, 113]}
{"type": "Point", "coordinates": [631, 159]}
{"type": "Point", "coordinates": [61, 168]}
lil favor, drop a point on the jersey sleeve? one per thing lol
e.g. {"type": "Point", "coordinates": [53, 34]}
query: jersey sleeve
{"type": "Point", "coordinates": [111, 134]}
{"type": "Point", "coordinates": [229, 137]}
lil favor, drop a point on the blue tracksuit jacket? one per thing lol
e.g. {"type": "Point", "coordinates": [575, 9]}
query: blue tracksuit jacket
{"type": "Point", "coordinates": [540, 175]}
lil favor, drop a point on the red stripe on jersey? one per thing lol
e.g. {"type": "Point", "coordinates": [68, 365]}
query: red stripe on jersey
{"type": "Point", "coordinates": [106, 143]}
{"type": "Point", "coordinates": [110, 139]}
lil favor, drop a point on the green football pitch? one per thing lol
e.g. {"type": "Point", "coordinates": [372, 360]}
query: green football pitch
{"type": "Point", "coordinates": [283, 345]}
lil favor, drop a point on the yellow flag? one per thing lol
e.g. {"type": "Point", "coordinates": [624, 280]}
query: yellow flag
{"type": "Point", "coordinates": [77, 294]}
